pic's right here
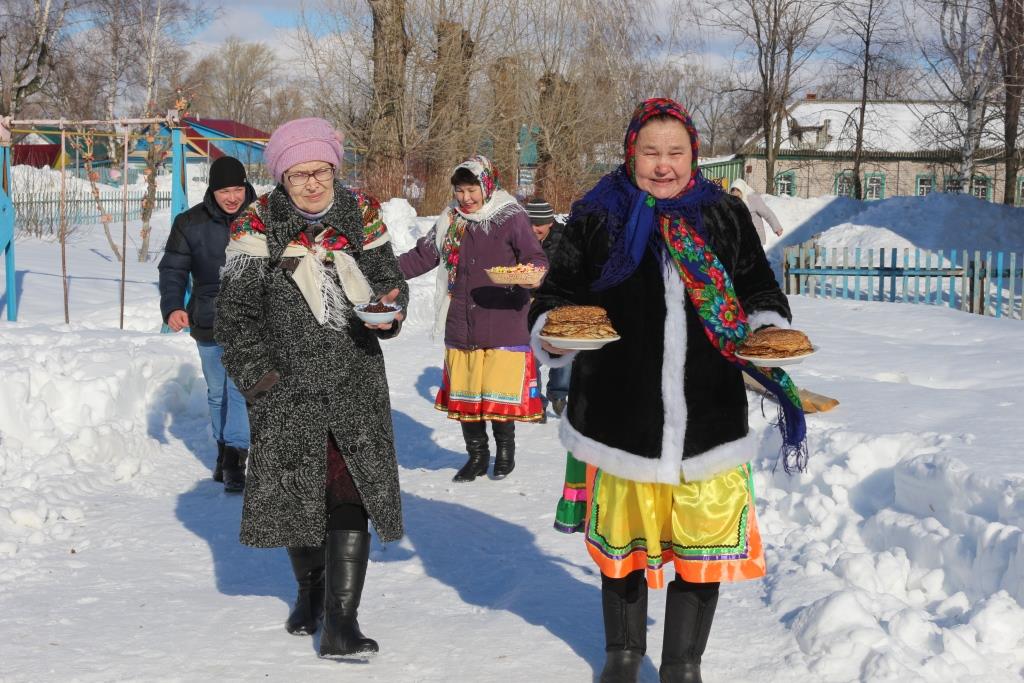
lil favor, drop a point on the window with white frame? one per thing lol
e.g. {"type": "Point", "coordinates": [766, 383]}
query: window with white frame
{"type": "Point", "coordinates": [951, 183]}
{"type": "Point", "coordinates": [925, 185]}
{"type": "Point", "coordinates": [981, 187]}
{"type": "Point", "coordinates": [785, 184]}
{"type": "Point", "coordinates": [874, 186]}
{"type": "Point", "coordinates": [844, 185]}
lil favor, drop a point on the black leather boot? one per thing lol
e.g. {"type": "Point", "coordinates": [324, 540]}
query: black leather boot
{"type": "Point", "coordinates": [475, 434]}
{"type": "Point", "coordinates": [308, 566]}
{"type": "Point", "coordinates": [345, 571]}
{"type": "Point", "coordinates": [558, 405]}
{"type": "Point", "coordinates": [689, 611]}
{"type": "Point", "coordinates": [504, 448]}
{"type": "Point", "coordinates": [625, 629]}
{"type": "Point", "coordinates": [234, 469]}
{"type": "Point", "coordinates": [218, 470]}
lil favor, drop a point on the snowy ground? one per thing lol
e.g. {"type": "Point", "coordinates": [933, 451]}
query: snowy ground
{"type": "Point", "coordinates": [898, 556]}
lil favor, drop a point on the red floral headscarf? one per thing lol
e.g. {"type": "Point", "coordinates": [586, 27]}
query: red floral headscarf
{"type": "Point", "coordinates": [647, 110]}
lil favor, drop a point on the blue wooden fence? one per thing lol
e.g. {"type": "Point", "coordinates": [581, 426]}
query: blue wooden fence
{"type": "Point", "coordinates": [987, 283]}
{"type": "Point", "coordinates": [44, 208]}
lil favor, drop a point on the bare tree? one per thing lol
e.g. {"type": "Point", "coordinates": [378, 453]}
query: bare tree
{"type": "Point", "coordinates": [385, 158]}
{"type": "Point", "coordinates": [449, 108]}
{"type": "Point", "coordinates": [586, 67]}
{"type": "Point", "coordinates": [506, 84]}
{"type": "Point", "coordinates": [869, 32]}
{"type": "Point", "coordinates": [962, 58]}
{"type": "Point", "coordinates": [28, 33]}
{"type": "Point", "coordinates": [780, 36]}
{"type": "Point", "coordinates": [713, 98]}
{"type": "Point", "coordinates": [243, 71]}
{"type": "Point", "coordinates": [895, 77]}
{"type": "Point", "coordinates": [1008, 16]}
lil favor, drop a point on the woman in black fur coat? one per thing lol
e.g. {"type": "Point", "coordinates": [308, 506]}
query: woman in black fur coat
{"type": "Point", "coordinates": [658, 419]}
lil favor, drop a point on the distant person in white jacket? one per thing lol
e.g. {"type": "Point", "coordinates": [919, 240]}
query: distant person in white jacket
{"type": "Point", "coordinates": [759, 211]}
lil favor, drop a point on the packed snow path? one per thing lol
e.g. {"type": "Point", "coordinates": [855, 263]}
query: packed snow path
{"type": "Point", "coordinates": [898, 556]}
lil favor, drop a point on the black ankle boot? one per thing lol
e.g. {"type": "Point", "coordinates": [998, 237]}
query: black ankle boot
{"type": "Point", "coordinates": [625, 631]}
{"type": "Point", "coordinates": [689, 611]}
{"type": "Point", "coordinates": [308, 566]}
{"type": "Point", "coordinates": [347, 555]}
{"type": "Point", "coordinates": [218, 470]}
{"type": "Point", "coordinates": [505, 448]}
{"type": "Point", "coordinates": [234, 469]}
{"type": "Point", "coordinates": [475, 434]}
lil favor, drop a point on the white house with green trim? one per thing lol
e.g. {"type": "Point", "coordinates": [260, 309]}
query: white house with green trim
{"type": "Point", "coordinates": [910, 149]}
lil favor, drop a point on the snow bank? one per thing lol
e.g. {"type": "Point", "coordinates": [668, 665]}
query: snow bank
{"type": "Point", "coordinates": [937, 221]}
{"type": "Point", "coordinates": [81, 411]}
{"type": "Point", "coordinates": [898, 556]}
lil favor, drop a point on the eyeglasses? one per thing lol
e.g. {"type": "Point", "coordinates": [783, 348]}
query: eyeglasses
{"type": "Point", "coordinates": [321, 175]}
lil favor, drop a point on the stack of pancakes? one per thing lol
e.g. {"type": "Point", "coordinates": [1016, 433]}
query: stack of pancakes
{"type": "Point", "coordinates": [578, 322]}
{"type": "Point", "coordinates": [775, 342]}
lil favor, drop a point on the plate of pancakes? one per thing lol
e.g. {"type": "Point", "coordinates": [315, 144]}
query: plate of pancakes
{"type": "Point", "coordinates": [775, 347]}
{"type": "Point", "coordinates": [578, 328]}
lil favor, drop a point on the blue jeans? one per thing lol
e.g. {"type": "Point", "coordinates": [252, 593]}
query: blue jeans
{"type": "Point", "coordinates": [228, 416]}
{"type": "Point", "coordinates": [558, 382]}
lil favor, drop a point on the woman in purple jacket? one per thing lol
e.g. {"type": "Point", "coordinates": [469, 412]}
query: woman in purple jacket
{"type": "Point", "coordinates": [488, 365]}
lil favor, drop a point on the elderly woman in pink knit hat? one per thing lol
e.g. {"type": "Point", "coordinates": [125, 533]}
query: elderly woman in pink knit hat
{"type": "Point", "coordinates": [322, 461]}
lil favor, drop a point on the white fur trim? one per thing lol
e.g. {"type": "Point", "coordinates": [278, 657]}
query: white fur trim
{"type": "Point", "coordinates": [721, 458]}
{"type": "Point", "coordinates": [759, 319]}
{"type": "Point", "coordinates": [542, 356]}
{"type": "Point", "coordinates": [612, 460]}
{"type": "Point", "coordinates": [669, 468]}
{"type": "Point", "coordinates": [673, 368]}
{"type": "Point", "coordinates": [707, 465]}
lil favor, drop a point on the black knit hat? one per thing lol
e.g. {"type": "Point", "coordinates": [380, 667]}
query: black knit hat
{"type": "Point", "coordinates": [539, 211]}
{"type": "Point", "coordinates": [226, 172]}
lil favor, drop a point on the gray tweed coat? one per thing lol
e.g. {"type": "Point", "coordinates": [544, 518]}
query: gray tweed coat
{"type": "Point", "coordinates": [329, 380]}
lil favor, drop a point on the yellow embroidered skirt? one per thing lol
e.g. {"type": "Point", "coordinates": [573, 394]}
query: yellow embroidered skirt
{"type": "Point", "coordinates": [490, 384]}
{"type": "Point", "coordinates": [706, 529]}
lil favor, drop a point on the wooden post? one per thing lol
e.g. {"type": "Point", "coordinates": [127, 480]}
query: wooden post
{"type": "Point", "coordinates": [892, 275]}
{"type": "Point", "coordinates": [999, 285]}
{"type": "Point", "coordinates": [916, 281]}
{"type": "Point", "coordinates": [785, 269]}
{"type": "Point", "coordinates": [64, 228]}
{"type": "Point", "coordinates": [986, 282]}
{"type": "Point", "coordinates": [846, 277]}
{"type": "Point", "coordinates": [928, 278]}
{"type": "Point", "coordinates": [966, 283]}
{"type": "Point", "coordinates": [978, 281]}
{"type": "Point", "coordinates": [856, 277]}
{"type": "Point", "coordinates": [1012, 285]}
{"type": "Point", "coordinates": [124, 220]}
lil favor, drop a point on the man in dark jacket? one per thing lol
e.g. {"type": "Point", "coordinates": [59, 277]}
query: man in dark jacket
{"type": "Point", "coordinates": [196, 247]}
{"type": "Point", "coordinates": [548, 229]}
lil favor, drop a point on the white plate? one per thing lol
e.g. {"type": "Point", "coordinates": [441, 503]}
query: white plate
{"type": "Point", "coordinates": [778, 362]}
{"type": "Point", "coordinates": [578, 343]}
{"type": "Point", "coordinates": [376, 318]}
